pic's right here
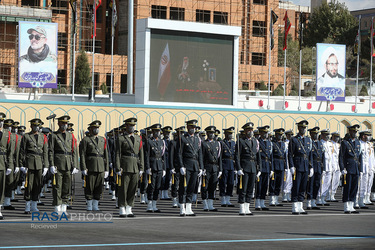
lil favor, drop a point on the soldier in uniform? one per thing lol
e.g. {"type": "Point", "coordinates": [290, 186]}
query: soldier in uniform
{"type": "Point", "coordinates": [143, 182]}
{"type": "Point", "coordinates": [21, 176]}
{"type": "Point", "coordinates": [288, 178]}
{"type": "Point", "coordinates": [167, 178]}
{"type": "Point", "coordinates": [226, 182]}
{"type": "Point", "coordinates": [211, 152]}
{"type": "Point", "coordinates": [279, 155]}
{"type": "Point", "coordinates": [366, 166]}
{"type": "Point", "coordinates": [318, 163]}
{"type": "Point", "coordinates": [129, 166]}
{"type": "Point", "coordinates": [195, 193]}
{"type": "Point", "coordinates": [248, 163]}
{"type": "Point", "coordinates": [336, 173]}
{"type": "Point", "coordinates": [6, 161]}
{"type": "Point", "coordinates": [350, 160]}
{"type": "Point", "coordinates": [191, 164]}
{"type": "Point", "coordinates": [63, 160]}
{"type": "Point", "coordinates": [300, 162]}
{"type": "Point", "coordinates": [266, 171]}
{"type": "Point", "coordinates": [202, 135]}
{"type": "Point", "coordinates": [327, 174]}
{"type": "Point", "coordinates": [94, 164]}
{"type": "Point", "coordinates": [34, 163]}
{"type": "Point", "coordinates": [16, 173]}
{"type": "Point", "coordinates": [155, 167]}
{"type": "Point", "coordinates": [111, 159]}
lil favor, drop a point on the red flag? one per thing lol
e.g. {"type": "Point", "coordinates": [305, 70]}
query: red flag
{"type": "Point", "coordinates": [372, 33]}
{"type": "Point", "coordinates": [287, 26]}
{"type": "Point", "coordinates": [97, 4]}
{"type": "Point", "coordinates": [164, 71]}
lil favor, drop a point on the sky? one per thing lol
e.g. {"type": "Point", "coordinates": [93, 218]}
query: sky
{"type": "Point", "coordinates": [351, 4]}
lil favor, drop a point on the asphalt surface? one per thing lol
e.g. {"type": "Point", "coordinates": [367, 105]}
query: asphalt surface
{"type": "Point", "coordinates": [328, 228]}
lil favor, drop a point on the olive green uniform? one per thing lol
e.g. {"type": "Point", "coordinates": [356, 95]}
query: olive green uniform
{"type": "Point", "coordinates": [62, 155]}
{"type": "Point", "coordinates": [94, 158]}
{"type": "Point", "coordinates": [34, 157]}
{"type": "Point", "coordinates": [129, 159]}
{"type": "Point", "coordinates": [9, 179]}
{"type": "Point", "coordinates": [6, 159]}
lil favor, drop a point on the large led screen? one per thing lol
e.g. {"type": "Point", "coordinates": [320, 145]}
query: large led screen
{"type": "Point", "coordinates": [190, 67]}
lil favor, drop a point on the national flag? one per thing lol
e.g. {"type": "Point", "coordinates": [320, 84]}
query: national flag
{"type": "Point", "coordinates": [73, 4]}
{"type": "Point", "coordinates": [357, 43]}
{"type": "Point", "coordinates": [274, 18]}
{"type": "Point", "coordinates": [302, 21]}
{"type": "Point", "coordinates": [97, 4]}
{"type": "Point", "coordinates": [112, 5]}
{"type": "Point", "coordinates": [372, 34]}
{"type": "Point", "coordinates": [164, 71]}
{"type": "Point", "coordinates": [287, 26]}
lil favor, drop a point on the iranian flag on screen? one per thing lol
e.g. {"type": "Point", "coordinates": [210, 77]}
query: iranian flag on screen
{"type": "Point", "coordinates": [164, 71]}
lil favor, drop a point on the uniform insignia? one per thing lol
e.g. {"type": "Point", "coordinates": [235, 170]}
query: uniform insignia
{"type": "Point", "coordinates": [187, 144]}
{"type": "Point", "coordinates": [350, 151]}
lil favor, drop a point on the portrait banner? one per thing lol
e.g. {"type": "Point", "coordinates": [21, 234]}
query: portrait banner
{"type": "Point", "coordinates": [330, 72]}
{"type": "Point", "coordinates": [37, 55]}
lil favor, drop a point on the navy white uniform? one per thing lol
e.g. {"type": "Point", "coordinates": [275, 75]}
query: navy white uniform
{"type": "Point", "coordinates": [226, 182]}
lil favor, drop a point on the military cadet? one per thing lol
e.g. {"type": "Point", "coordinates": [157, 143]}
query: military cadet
{"type": "Point", "coordinates": [199, 180]}
{"type": "Point", "coordinates": [318, 163]}
{"type": "Point", "coordinates": [371, 174]}
{"type": "Point", "coordinates": [226, 182]}
{"type": "Point", "coordinates": [33, 160]}
{"type": "Point", "coordinates": [48, 177]}
{"type": "Point", "coordinates": [9, 179]}
{"type": "Point", "coordinates": [248, 164]}
{"type": "Point", "coordinates": [111, 158]}
{"type": "Point", "coordinates": [202, 135]}
{"type": "Point", "coordinates": [16, 173]}
{"type": "Point", "coordinates": [327, 174]}
{"type": "Point", "coordinates": [279, 155]}
{"type": "Point", "coordinates": [364, 176]}
{"type": "Point", "coordinates": [155, 167]}
{"type": "Point", "coordinates": [336, 173]}
{"type": "Point", "coordinates": [63, 160]}
{"type": "Point", "coordinates": [21, 176]}
{"type": "Point", "coordinates": [300, 162]}
{"type": "Point", "coordinates": [266, 171]}
{"type": "Point", "coordinates": [129, 166]}
{"type": "Point", "coordinates": [175, 167]}
{"type": "Point", "coordinates": [6, 161]}
{"type": "Point", "coordinates": [94, 165]}
{"type": "Point", "coordinates": [143, 182]}
{"type": "Point", "coordinates": [211, 152]}
{"type": "Point", "coordinates": [256, 134]}
{"type": "Point", "coordinates": [217, 133]}
{"type": "Point", "coordinates": [350, 160]}
{"type": "Point", "coordinates": [191, 164]}
{"type": "Point", "coordinates": [288, 178]}
{"type": "Point", "coordinates": [167, 178]}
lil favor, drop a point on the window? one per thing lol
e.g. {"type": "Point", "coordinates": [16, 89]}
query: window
{"type": "Point", "coordinates": [261, 2]}
{"type": "Point", "coordinates": [31, 3]}
{"type": "Point", "coordinates": [62, 41]}
{"type": "Point", "coordinates": [96, 80]}
{"type": "Point", "coordinates": [176, 13]}
{"type": "Point", "coordinates": [61, 77]}
{"type": "Point", "coordinates": [258, 59]}
{"type": "Point", "coordinates": [108, 80]}
{"type": "Point", "coordinates": [5, 73]}
{"type": "Point", "coordinates": [58, 6]}
{"type": "Point", "coordinates": [124, 83]}
{"type": "Point", "coordinates": [259, 28]}
{"type": "Point", "coordinates": [159, 12]}
{"type": "Point", "coordinates": [245, 85]}
{"type": "Point", "coordinates": [221, 17]}
{"type": "Point", "coordinates": [99, 15]}
{"type": "Point", "coordinates": [203, 16]}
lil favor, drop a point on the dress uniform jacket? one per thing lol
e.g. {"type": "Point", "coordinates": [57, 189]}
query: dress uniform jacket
{"type": "Point", "coordinates": [211, 151]}
{"type": "Point", "coordinates": [190, 152]}
{"type": "Point", "coordinates": [34, 153]}
{"type": "Point", "coordinates": [299, 153]}
{"type": "Point", "coordinates": [62, 152]}
{"type": "Point", "coordinates": [318, 157]}
{"type": "Point", "coordinates": [6, 151]}
{"type": "Point", "coordinates": [350, 157]}
{"type": "Point", "coordinates": [265, 150]}
{"type": "Point", "coordinates": [168, 145]}
{"type": "Point", "coordinates": [94, 155]}
{"type": "Point", "coordinates": [279, 156]}
{"type": "Point", "coordinates": [129, 155]}
{"type": "Point", "coordinates": [228, 154]}
{"type": "Point", "coordinates": [155, 158]}
{"type": "Point", "coordinates": [247, 151]}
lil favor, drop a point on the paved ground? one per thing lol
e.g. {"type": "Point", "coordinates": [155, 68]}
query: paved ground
{"type": "Point", "coordinates": [327, 228]}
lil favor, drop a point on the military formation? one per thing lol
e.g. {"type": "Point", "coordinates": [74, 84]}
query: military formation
{"type": "Point", "coordinates": [259, 164]}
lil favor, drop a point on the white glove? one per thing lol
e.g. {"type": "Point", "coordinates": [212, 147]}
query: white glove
{"type": "Point", "coordinates": [292, 170]}
{"type": "Point", "coordinates": [324, 173]}
{"type": "Point", "coordinates": [200, 173]}
{"type": "Point", "coordinates": [235, 172]}
{"type": "Point", "coordinates": [16, 170]}
{"type": "Point", "coordinates": [9, 170]}
{"type": "Point", "coordinates": [182, 171]}
{"type": "Point", "coordinates": [258, 174]}
{"type": "Point", "coordinates": [140, 173]}
{"type": "Point", "coordinates": [111, 165]}
{"type": "Point", "coordinates": [24, 170]}
{"type": "Point", "coordinates": [344, 172]}
{"type": "Point", "coordinates": [219, 175]}
{"type": "Point", "coordinates": [271, 174]}
{"type": "Point", "coordinates": [164, 173]}
{"type": "Point", "coordinates": [204, 172]}
{"type": "Point", "coordinates": [173, 171]}
{"type": "Point", "coordinates": [106, 173]}
{"type": "Point", "coordinates": [119, 173]}
{"type": "Point", "coordinates": [75, 171]}
{"type": "Point", "coordinates": [240, 172]}
{"type": "Point", "coordinates": [45, 170]}
{"type": "Point", "coordinates": [53, 170]}
{"type": "Point", "coordinates": [84, 172]}
{"type": "Point", "coordinates": [360, 173]}
{"type": "Point", "coordinates": [311, 172]}
{"type": "Point", "coordinates": [148, 171]}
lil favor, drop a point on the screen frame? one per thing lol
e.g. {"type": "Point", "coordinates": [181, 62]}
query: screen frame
{"type": "Point", "coordinates": [143, 44]}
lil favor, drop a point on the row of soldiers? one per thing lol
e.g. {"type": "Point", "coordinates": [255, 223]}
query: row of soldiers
{"type": "Point", "coordinates": [300, 165]}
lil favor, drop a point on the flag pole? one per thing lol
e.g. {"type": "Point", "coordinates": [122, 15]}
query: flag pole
{"type": "Point", "coordinates": [113, 35]}
{"type": "Point", "coordinates": [358, 52]}
{"type": "Point", "coordinates": [130, 46]}
{"type": "Point", "coordinates": [269, 63]}
{"type": "Point", "coordinates": [284, 78]}
{"type": "Point", "coordinates": [93, 53]}
{"type": "Point", "coordinates": [372, 50]}
{"type": "Point", "coordinates": [74, 48]}
{"type": "Point", "coordinates": [299, 88]}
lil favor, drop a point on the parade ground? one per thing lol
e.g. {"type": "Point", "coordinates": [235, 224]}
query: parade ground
{"type": "Point", "coordinates": [327, 228]}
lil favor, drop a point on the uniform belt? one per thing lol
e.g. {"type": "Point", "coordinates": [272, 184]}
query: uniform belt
{"type": "Point", "coordinates": [3, 153]}
{"type": "Point", "coordinates": [231, 158]}
{"type": "Point", "coordinates": [279, 157]}
{"type": "Point", "coordinates": [191, 158]}
{"type": "Point", "coordinates": [156, 158]}
{"type": "Point", "coordinates": [248, 158]}
{"type": "Point", "coordinates": [33, 153]}
{"type": "Point", "coordinates": [212, 162]}
{"type": "Point", "coordinates": [94, 154]}
{"type": "Point", "coordinates": [63, 153]}
{"type": "Point", "coordinates": [131, 155]}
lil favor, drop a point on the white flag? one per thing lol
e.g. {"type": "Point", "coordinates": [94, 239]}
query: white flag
{"type": "Point", "coordinates": [164, 71]}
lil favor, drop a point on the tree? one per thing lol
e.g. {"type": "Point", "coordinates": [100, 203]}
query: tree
{"type": "Point", "coordinates": [363, 91]}
{"type": "Point", "coordinates": [279, 91]}
{"type": "Point", "coordinates": [294, 91]}
{"type": "Point", "coordinates": [262, 86]}
{"type": "Point", "coordinates": [82, 74]}
{"type": "Point", "coordinates": [331, 23]}
{"type": "Point", "coordinates": [104, 88]}
{"type": "Point", "coordinates": [347, 92]}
